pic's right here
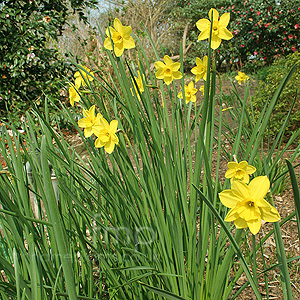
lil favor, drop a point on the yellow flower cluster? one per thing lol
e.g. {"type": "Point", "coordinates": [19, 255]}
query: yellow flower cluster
{"type": "Point", "coordinates": [81, 79]}
{"type": "Point", "coordinates": [98, 125]}
{"type": "Point", "coordinates": [119, 38]}
{"type": "Point", "coordinates": [241, 77]}
{"type": "Point", "coordinates": [246, 200]}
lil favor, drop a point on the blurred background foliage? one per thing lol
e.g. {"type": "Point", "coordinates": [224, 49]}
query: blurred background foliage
{"type": "Point", "coordinates": [266, 89]}
{"type": "Point", "coordinates": [30, 62]}
{"type": "Point", "coordinates": [36, 38]}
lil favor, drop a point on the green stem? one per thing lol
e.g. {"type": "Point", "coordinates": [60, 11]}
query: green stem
{"type": "Point", "coordinates": [284, 271]}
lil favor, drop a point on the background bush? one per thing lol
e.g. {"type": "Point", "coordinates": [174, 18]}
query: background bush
{"type": "Point", "coordinates": [263, 30]}
{"type": "Point", "coordinates": [266, 90]}
{"type": "Point", "coordinates": [29, 62]}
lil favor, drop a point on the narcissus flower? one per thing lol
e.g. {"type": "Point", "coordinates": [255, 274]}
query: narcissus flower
{"type": "Point", "coordinates": [81, 77]}
{"type": "Point", "coordinates": [202, 89]}
{"type": "Point", "coordinates": [239, 171]}
{"type": "Point", "coordinates": [189, 92]}
{"type": "Point", "coordinates": [241, 77]}
{"type": "Point", "coordinates": [219, 30]}
{"type": "Point", "coordinates": [74, 95]}
{"type": "Point", "coordinates": [247, 204]}
{"type": "Point", "coordinates": [90, 121]}
{"type": "Point", "coordinates": [120, 36]}
{"type": "Point", "coordinates": [167, 70]}
{"type": "Point", "coordinates": [106, 134]}
{"type": "Point", "coordinates": [139, 82]}
{"type": "Point", "coordinates": [201, 68]}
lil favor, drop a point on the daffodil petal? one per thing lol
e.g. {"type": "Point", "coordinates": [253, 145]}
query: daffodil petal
{"type": "Point", "coordinates": [213, 13]}
{"type": "Point", "coordinates": [269, 214]}
{"type": "Point", "coordinates": [119, 50]}
{"type": "Point", "coordinates": [203, 35]}
{"type": "Point", "coordinates": [215, 42]}
{"type": "Point", "coordinates": [246, 178]}
{"type": "Point", "coordinates": [109, 147]}
{"type": "Point", "coordinates": [88, 131]}
{"type": "Point", "coordinates": [225, 34]}
{"type": "Point", "coordinates": [250, 169]}
{"type": "Point", "coordinates": [113, 126]}
{"type": "Point", "coordinates": [177, 74]}
{"type": "Point", "coordinates": [240, 223]}
{"type": "Point", "coordinates": [118, 25]}
{"type": "Point", "coordinates": [159, 65]}
{"type": "Point", "coordinates": [224, 20]}
{"type": "Point", "coordinates": [168, 60]}
{"type": "Point", "coordinates": [81, 123]}
{"type": "Point", "coordinates": [129, 43]}
{"type": "Point", "coordinates": [231, 216]}
{"type": "Point", "coordinates": [159, 74]}
{"type": "Point", "coordinates": [243, 164]}
{"type": "Point", "coordinates": [229, 199]}
{"type": "Point", "coordinates": [108, 44]}
{"type": "Point", "coordinates": [115, 139]}
{"type": "Point", "coordinates": [230, 173]}
{"type": "Point", "coordinates": [240, 189]}
{"type": "Point", "coordinates": [99, 143]}
{"type": "Point", "coordinates": [254, 225]}
{"type": "Point", "coordinates": [232, 165]}
{"type": "Point", "coordinates": [259, 187]}
{"type": "Point", "coordinates": [168, 79]}
{"type": "Point", "coordinates": [175, 66]}
{"type": "Point", "coordinates": [110, 31]}
{"type": "Point", "coordinates": [126, 31]}
{"type": "Point", "coordinates": [203, 24]}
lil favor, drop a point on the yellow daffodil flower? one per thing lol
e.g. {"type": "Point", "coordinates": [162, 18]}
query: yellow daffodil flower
{"type": "Point", "coordinates": [120, 36]}
{"type": "Point", "coordinates": [201, 68]}
{"type": "Point", "coordinates": [241, 77]}
{"type": "Point", "coordinates": [90, 121]}
{"type": "Point", "coordinates": [74, 95]}
{"type": "Point", "coordinates": [239, 171]}
{"type": "Point", "coordinates": [106, 134]}
{"type": "Point", "coordinates": [167, 70]}
{"type": "Point", "coordinates": [189, 92]}
{"type": "Point", "coordinates": [219, 30]}
{"type": "Point", "coordinates": [82, 77]}
{"type": "Point", "coordinates": [139, 82]}
{"type": "Point", "coordinates": [247, 204]}
{"type": "Point", "coordinates": [202, 89]}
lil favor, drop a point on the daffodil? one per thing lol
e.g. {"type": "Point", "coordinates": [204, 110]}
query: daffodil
{"type": "Point", "coordinates": [189, 92]}
{"type": "Point", "coordinates": [247, 204]}
{"type": "Point", "coordinates": [167, 70]}
{"type": "Point", "coordinates": [239, 171]}
{"type": "Point", "coordinates": [120, 36]}
{"type": "Point", "coordinates": [241, 77]}
{"type": "Point", "coordinates": [219, 30]}
{"type": "Point", "coordinates": [90, 121]}
{"type": "Point", "coordinates": [201, 68]}
{"type": "Point", "coordinates": [81, 77]}
{"type": "Point", "coordinates": [140, 85]}
{"type": "Point", "coordinates": [202, 89]}
{"type": "Point", "coordinates": [106, 135]}
{"type": "Point", "coordinates": [73, 94]}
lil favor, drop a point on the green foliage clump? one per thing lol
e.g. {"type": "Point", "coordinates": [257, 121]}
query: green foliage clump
{"type": "Point", "coordinates": [266, 90]}
{"type": "Point", "coordinates": [30, 65]}
{"type": "Point", "coordinates": [262, 30]}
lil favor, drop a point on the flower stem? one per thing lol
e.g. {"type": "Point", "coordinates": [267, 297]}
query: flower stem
{"type": "Point", "coordinates": [284, 271]}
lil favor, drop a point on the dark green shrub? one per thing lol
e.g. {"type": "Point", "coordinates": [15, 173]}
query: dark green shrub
{"type": "Point", "coordinates": [266, 90]}
{"type": "Point", "coordinates": [30, 65]}
{"type": "Point", "coordinates": [263, 30]}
